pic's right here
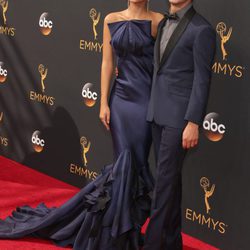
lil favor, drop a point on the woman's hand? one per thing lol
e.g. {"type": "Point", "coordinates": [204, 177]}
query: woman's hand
{"type": "Point", "coordinates": [105, 115]}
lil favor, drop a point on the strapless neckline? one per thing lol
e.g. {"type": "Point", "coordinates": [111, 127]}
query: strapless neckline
{"type": "Point", "coordinates": [135, 21]}
{"type": "Point", "coordinates": [131, 20]}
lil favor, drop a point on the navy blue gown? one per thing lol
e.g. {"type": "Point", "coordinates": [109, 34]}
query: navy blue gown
{"type": "Point", "coordinates": [108, 213]}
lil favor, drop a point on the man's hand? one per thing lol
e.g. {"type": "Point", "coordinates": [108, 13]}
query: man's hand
{"type": "Point", "coordinates": [190, 136]}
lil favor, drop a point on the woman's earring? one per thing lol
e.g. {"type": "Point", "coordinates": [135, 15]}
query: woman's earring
{"type": "Point", "coordinates": [128, 3]}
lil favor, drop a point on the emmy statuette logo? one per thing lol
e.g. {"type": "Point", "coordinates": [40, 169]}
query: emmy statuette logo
{"type": "Point", "coordinates": [4, 4]}
{"type": "Point", "coordinates": [3, 73]}
{"type": "Point", "coordinates": [4, 141]}
{"type": "Point", "coordinates": [226, 67]}
{"type": "Point", "coordinates": [43, 73]}
{"type": "Point", "coordinates": [224, 36]}
{"type": "Point", "coordinates": [45, 24]}
{"type": "Point", "coordinates": [4, 29]}
{"type": "Point", "coordinates": [85, 149]}
{"type": "Point", "coordinates": [83, 170]}
{"type": "Point", "coordinates": [95, 19]}
{"type": "Point", "coordinates": [42, 97]}
{"type": "Point", "coordinates": [92, 45]}
{"type": "Point", "coordinates": [208, 192]}
{"type": "Point", "coordinates": [205, 219]}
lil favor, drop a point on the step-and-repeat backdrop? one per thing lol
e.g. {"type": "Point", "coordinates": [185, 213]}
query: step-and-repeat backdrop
{"type": "Point", "coordinates": [50, 58]}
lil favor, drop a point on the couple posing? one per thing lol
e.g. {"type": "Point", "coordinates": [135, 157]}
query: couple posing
{"type": "Point", "coordinates": [160, 94]}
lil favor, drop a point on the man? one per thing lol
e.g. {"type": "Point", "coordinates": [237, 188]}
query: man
{"type": "Point", "coordinates": [184, 53]}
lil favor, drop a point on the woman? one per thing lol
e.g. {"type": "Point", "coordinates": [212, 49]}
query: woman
{"type": "Point", "coordinates": [108, 213]}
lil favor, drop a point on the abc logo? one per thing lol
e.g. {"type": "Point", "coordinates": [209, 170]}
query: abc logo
{"type": "Point", "coordinates": [213, 128]}
{"type": "Point", "coordinates": [38, 143]}
{"type": "Point", "coordinates": [89, 96]}
{"type": "Point", "coordinates": [3, 73]}
{"type": "Point", "coordinates": [45, 24]}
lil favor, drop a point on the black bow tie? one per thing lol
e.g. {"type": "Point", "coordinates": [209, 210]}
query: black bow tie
{"type": "Point", "coordinates": [171, 16]}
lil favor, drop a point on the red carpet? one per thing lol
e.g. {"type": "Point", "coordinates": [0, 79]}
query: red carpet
{"type": "Point", "coordinates": [16, 179]}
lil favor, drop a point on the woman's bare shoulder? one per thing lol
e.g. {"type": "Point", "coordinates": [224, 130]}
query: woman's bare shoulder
{"type": "Point", "coordinates": [156, 17]}
{"type": "Point", "coordinates": [114, 17]}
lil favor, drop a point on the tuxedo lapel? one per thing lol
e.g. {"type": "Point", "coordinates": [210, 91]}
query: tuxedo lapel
{"type": "Point", "coordinates": [177, 35]}
{"type": "Point", "coordinates": [158, 42]}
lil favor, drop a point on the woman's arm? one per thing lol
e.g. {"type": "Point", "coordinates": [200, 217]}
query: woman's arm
{"type": "Point", "coordinates": [156, 18]}
{"type": "Point", "coordinates": [106, 74]}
